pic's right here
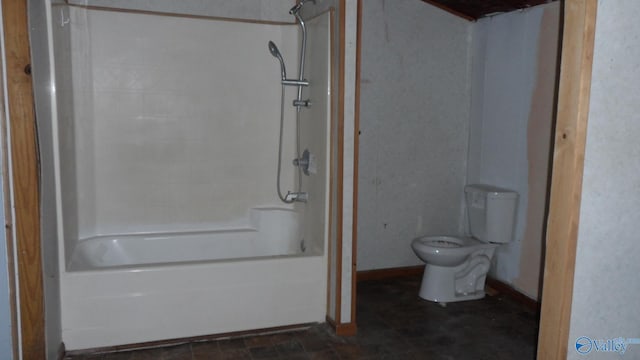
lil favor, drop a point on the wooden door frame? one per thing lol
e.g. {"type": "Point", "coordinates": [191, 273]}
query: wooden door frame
{"type": "Point", "coordinates": [566, 180]}
{"type": "Point", "coordinates": [346, 327]}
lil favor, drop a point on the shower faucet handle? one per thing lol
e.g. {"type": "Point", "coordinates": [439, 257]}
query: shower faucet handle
{"type": "Point", "coordinates": [306, 162]}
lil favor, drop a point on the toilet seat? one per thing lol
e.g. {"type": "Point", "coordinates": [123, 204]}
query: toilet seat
{"type": "Point", "coordinates": [447, 250]}
{"type": "Point", "coordinates": [449, 242]}
{"type": "Point", "coordinates": [443, 241]}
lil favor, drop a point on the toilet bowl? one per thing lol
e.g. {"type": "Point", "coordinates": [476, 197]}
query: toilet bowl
{"type": "Point", "coordinates": [456, 266]}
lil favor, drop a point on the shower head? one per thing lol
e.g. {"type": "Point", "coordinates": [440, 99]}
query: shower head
{"type": "Point", "coordinates": [273, 49]}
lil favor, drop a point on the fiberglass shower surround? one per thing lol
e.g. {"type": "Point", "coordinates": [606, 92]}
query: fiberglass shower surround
{"type": "Point", "coordinates": [165, 175]}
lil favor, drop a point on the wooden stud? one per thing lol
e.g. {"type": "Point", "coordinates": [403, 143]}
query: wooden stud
{"type": "Point", "coordinates": [566, 182]}
{"type": "Point", "coordinates": [24, 158]}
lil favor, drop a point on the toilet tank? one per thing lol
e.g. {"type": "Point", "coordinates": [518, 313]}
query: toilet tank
{"type": "Point", "coordinates": [492, 212]}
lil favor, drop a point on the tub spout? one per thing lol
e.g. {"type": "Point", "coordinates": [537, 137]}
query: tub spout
{"type": "Point", "coordinates": [297, 196]}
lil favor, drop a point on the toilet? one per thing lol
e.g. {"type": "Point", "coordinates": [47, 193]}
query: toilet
{"type": "Point", "coordinates": [457, 266]}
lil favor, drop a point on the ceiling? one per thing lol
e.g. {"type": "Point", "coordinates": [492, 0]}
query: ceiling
{"type": "Point", "coordinates": [475, 9]}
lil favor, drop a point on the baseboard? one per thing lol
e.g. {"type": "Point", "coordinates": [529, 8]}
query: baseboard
{"type": "Point", "coordinates": [515, 295]}
{"type": "Point", "coordinates": [389, 273]}
{"type": "Point", "coordinates": [348, 329]}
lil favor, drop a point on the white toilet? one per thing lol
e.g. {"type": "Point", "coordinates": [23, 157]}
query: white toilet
{"type": "Point", "coordinates": [457, 266]}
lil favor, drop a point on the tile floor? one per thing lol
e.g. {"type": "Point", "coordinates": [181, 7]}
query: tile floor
{"type": "Point", "coordinates": [393, 323]}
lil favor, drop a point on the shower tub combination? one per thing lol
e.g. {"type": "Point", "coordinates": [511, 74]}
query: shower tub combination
{"type": "Point", "coordinates": [169, 224]}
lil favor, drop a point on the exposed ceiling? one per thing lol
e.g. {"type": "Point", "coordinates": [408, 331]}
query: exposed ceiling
{"type": "Point", "coordinates": [475, 9]}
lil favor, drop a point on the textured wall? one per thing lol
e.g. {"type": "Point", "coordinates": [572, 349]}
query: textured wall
{"type": "Point", "coordinates": [539, 137]}
{"type": "Point", "coordinates": [606, 290]}
{"type": "Point", "coordinates": [414, 115]}
{"type": "Point", "coordinates": [510, 123]}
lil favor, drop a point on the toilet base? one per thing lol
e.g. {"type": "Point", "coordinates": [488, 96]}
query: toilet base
{"type": "Point", "coordinates": [439, 285]}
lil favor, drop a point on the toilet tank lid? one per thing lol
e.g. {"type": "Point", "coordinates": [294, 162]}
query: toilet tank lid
{"type": "Point", "coordinates": [490, 190]}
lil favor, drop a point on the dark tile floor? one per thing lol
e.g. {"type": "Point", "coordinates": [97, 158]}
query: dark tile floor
{"type": "Point", "coordinates": [393, 323]}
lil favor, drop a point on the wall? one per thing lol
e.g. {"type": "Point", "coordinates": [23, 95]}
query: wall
{"type": "Point", "coordinates": [513, 95]}
{"type": "Point", "coordinates": [606, 291]}
{"type": "Point", "coordinates": [414, 115]}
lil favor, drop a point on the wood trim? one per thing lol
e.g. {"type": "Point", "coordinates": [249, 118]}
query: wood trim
{"type": "Point", "coordinates": [340, 160]}
{"type": "Point", "coordinates": [332, 142]}
{"type": "Point", "coordinates": [356, 152]}
{"type": "Point", "coordinates": [347, 329]}
{"type": "Point", "coordinates": [566, 181]}
{"type": "Point", "coordinates": [389, 273]}
{"type": "Point", "coordinates": [510, 292]}
{"type": "Point", "coordinates": [24, 158]}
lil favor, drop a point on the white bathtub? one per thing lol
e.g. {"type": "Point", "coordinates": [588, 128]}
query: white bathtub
{"type": "Point", "coordinates": [155, 167]}
{"type": "Point", "coordinates": [270, 231]}
{"type": "Point", "coordinates": [130, 289]}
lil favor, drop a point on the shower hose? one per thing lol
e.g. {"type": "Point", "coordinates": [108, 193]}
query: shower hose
{"type": "Point", "coordinates": [284, 198]}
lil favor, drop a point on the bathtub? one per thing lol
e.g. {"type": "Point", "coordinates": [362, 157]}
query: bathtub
{"type": "Point", "coordinates": [136, 288]}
